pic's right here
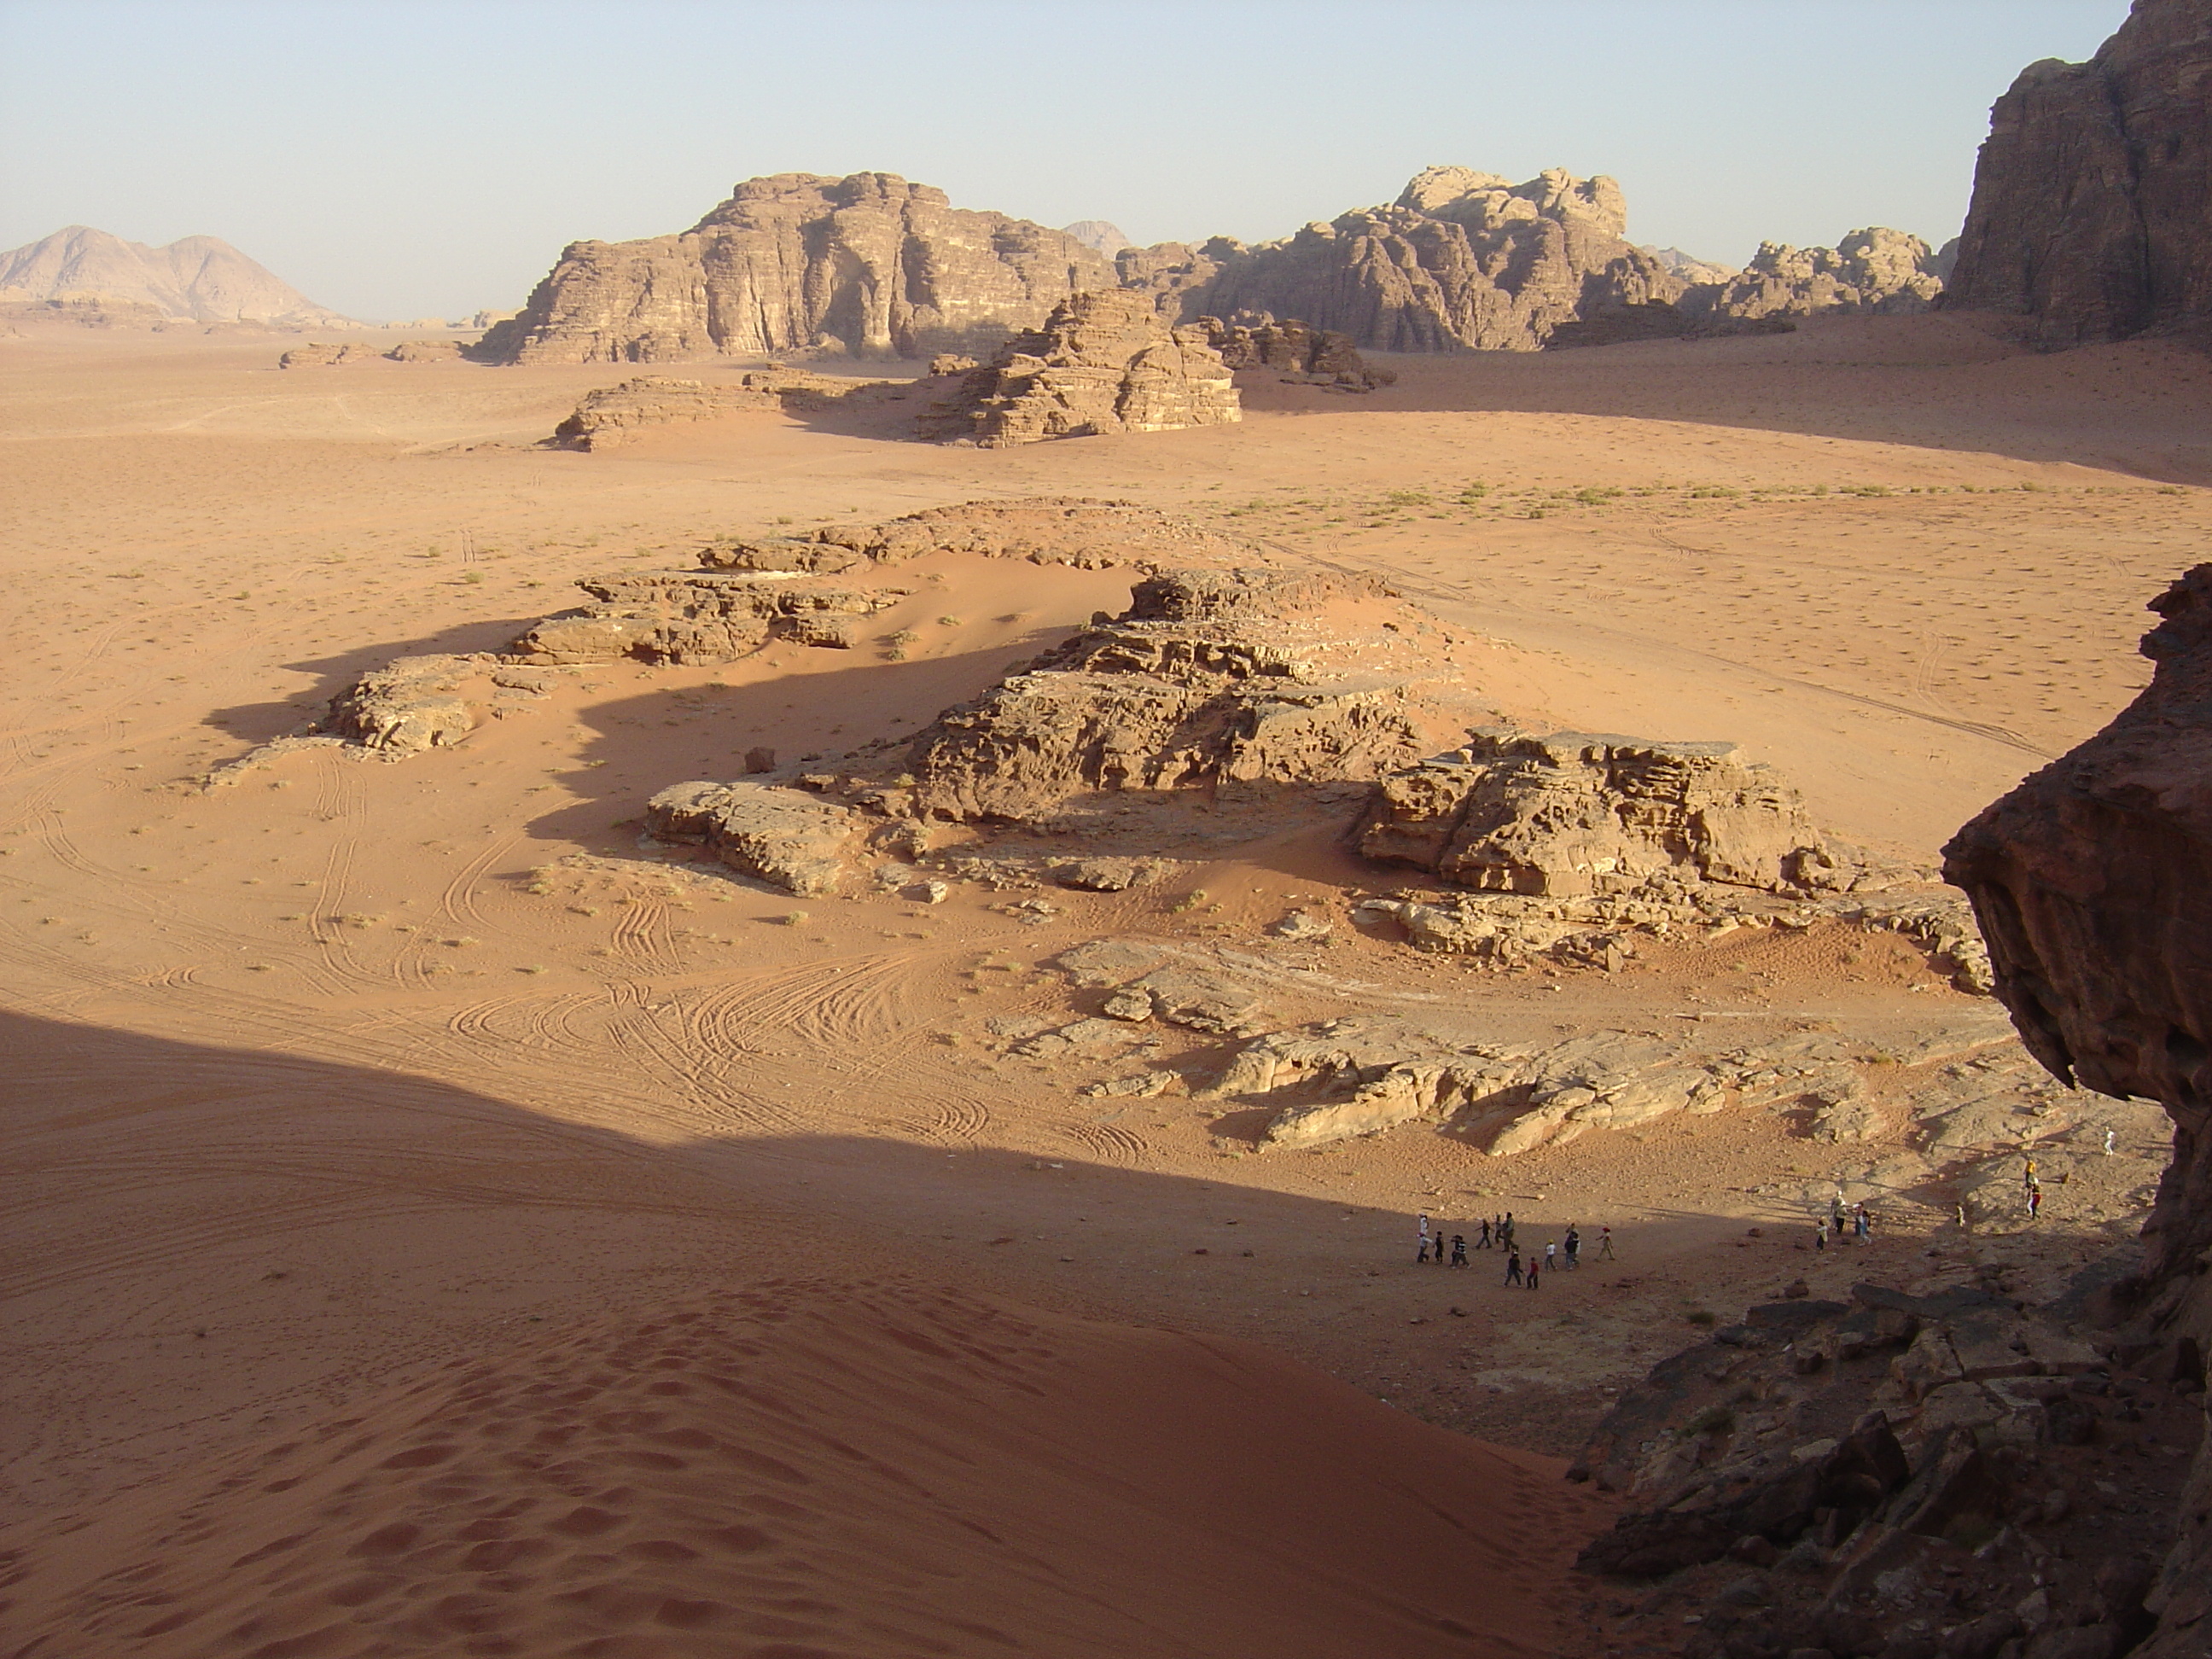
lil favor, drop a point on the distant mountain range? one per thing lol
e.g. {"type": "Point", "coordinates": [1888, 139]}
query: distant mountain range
{"type": "Point", "coordinates": [196, 278]}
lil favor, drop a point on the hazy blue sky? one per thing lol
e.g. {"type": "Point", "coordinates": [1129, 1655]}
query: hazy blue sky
{"type": "Point", "coordinates": [403, 158]}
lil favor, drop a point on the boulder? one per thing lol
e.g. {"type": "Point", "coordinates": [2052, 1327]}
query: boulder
{"type": "Point", "coordinates": [2092, 210]}
{"type": "Point", "coordinates": [785, 838]}
{"type": "Point", "coordinates": [1104, 361]}
{"type": "Point", "coordinates": [868, 264]}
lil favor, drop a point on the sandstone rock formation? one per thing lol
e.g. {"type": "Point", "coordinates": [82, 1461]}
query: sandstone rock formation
{"type": "Point", "coordinates": [1209, 679]}
{"type": "Point", "coordinates": [2092, 882]}
{"type": "Point", "coordinates": [1461, 259]}
{"type": "Point", "coordinates": [197, 278]}
{"type": "Point", "coordinates": [700, 616]}
{"type": "Point", "coordinates": [1294, 350]}
{"type": "Point", "coordinates": [2092, 212]}
{"type": "Point", "coordinates": [1573, 813]}
{"type": "Point", "coordinates": [608, 415]}
{"type": "Point", "coordinates": [868, 264]}
{"type": "Point", "coordinates": [1103, 361]}
{"type": "Point", "coordinates": [351, 353]}
{"type": "Point", "coordinates": [783, 836]}
{"type": "Point", "coordinates": [1084, 531]}
{"type": "Point", "coordinates": [415, 703]}
{"type": "Point", "coordinates": [1967, 1091]}
{"type": "Point", "coordinates": [1878, 271]}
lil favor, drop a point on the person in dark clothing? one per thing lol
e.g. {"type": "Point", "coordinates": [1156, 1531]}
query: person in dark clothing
{"type": "Point", "coordinates": [1458, 1251]}
{"type": "Point", "coordinates": [1532, 1273]}
{"type": "Point", "coordinates": [1483, 1243]}
{"type": "Point", "coordinates": [1505, 1231]}
{"type": "Point", "coordinates": [1574, 1247]}
{"type": "Point", "coordinates": [1513, 1266]}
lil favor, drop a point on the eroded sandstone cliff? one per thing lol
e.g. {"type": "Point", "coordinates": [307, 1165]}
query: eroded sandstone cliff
{"type": "Point", "coordinates": [2092, 882]}
{"type": "Point", "coordinates": [869, 263]}
{"type": "Point", "coordinates": [2092, 212]}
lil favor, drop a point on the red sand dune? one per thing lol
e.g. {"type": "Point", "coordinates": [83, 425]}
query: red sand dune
{"type": "Point", "coordinates": [800, 1473]}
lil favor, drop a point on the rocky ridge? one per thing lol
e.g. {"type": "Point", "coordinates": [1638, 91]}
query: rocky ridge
{"type": "Point", "coordinates": [2092, 211]}
{"type": "Point", "coordinates": [1103, 361]}
{"type": "Point", "coordinates": [868, 264]}
{"type": "Point", "coordinates": [1884, 272]}
{"type": "Point", "coordinates": [1956, 1470]}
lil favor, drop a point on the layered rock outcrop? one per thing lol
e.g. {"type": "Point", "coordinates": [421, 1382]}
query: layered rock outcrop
{"type": "Point", "coordinates": [612, 415]}
{"type": "Point", "coordinates": [1103, 361]}
{"type": "Point", "coordinates": [2092, 211]}
{"type": "Point", "coordinates": [1574, 813]}
{"type": "Point", "coordinates": [868, 264]}
{"type": "Point", "coordinates": [1210, 678]}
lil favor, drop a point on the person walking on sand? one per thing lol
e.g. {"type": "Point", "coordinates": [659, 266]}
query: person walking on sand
{"type": "Point", "coordinates": [2108, 1143]}
{"type": "Point", "coordinates": [1574, 1247]}
{"type": "Point", "coordinates": [1422, 1232]}
{"type": "Point", "coordinates": [1551, 1255]}
{"type": "Point", "coordinates": [1458, 1251]}
{"type": "Point", "coordinates": [1605, 1245]}
{"type": "Point", "coordinates": [2034, 1202]}
{"type": "Point", "coordinates": [1422, 1253]}
{"type": "Point", "coordinates": [1859, 1223]}
{"type": "Point", "coordinates": [1820, 1235]}
{"type": "Point", "coordinates": [2027, 1175]}
{"type": "Point", "coordinates": [1532, 1273]}
{"type": "Point", "coordinates": [1505, 1231]}
{"type": "Point", "coordinates": [1513, 1266]}
{"type": "Point", "coordinates": [1483, 1242]}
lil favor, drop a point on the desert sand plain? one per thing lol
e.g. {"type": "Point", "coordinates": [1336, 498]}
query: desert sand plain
{"type": "Point", "coordinates": [396, 1149]}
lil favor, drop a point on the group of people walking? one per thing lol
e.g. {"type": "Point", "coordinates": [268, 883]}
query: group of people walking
{"type": "Point", "coordinates": [1835, 1220]}
{"type": "Point", "coordinates": [1501, 1233]}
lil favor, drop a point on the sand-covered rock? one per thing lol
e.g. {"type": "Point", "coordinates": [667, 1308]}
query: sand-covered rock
{"type": "Point", "coordinates": [786, 837]}
{"type": "Point", "coordinates": [1104, 361]}
{"type": "Point", "coordinates": [868, 264]}
{"type": "Point", "coordinates": [2092, 212]}
{"type": "Point", "coordinates": [1087, 532]}
{"type": "Point", "coordinates": [700, 616]}
{"type": "Point", "coordinates": [1575, 813]}
{"type": "Point", "coordinates": [412, 704]}
{"type": "Point", "coordinates": [1210, 678]}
